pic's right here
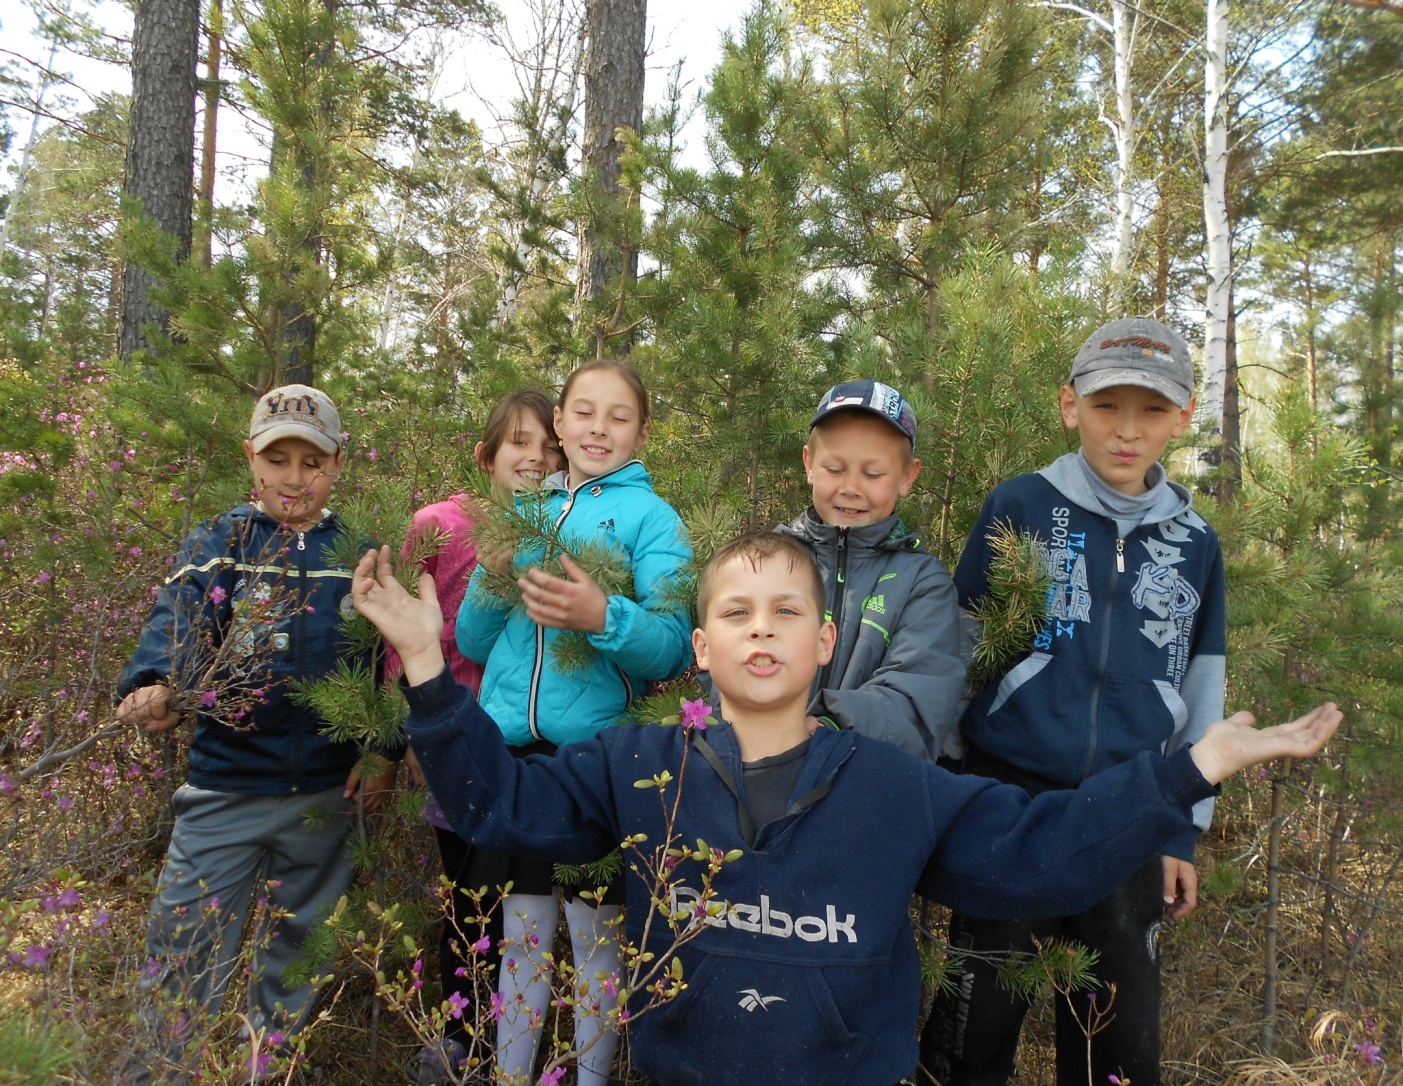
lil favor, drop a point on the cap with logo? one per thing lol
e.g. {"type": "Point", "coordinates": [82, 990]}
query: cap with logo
{"type": "Point", "coordinates": [295, 411]}
{"type": "Point", "coordinates": [873, 397]}
{"type": "Point", "coordinates": [1135, 351]}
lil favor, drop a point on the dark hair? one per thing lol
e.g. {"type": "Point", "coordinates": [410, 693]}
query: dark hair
{"type": "Point", "coordinates": [631, 377]}
{"type": "Point", "coordinates": [502, 420]}
{"type": "Point", "coordinates": [757, 548]}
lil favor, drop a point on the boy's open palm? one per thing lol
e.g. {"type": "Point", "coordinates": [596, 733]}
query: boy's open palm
{"type": "Point", "coordinates": [1234, 744]}
{"type": "Point", "coordinates": [412, 624]}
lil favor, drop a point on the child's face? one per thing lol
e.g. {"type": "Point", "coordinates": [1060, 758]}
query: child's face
{"type": "Point", "coordinates": [858, 466]}
{"type": "Point", "coordinates": [600, 425]}
{"type": "Point", "coordinates": [763, 637]}
{"type": "Point", "coordinates": [293, 479]}
{"type": "Point", "coordinates": [526, 455]}
{"type": "Point", "coordinates": [1124, 429]}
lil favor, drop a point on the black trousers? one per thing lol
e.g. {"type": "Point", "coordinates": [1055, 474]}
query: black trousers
{"type": "Point", "coordinates": [971, 1038]}
{"type": "Point", "coordinates": [461, 930]}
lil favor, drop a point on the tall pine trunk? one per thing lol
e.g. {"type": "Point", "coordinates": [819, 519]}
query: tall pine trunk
{"type": "Point", "coordinates": [613, 100]}
{"type": "Point", "coordinates": [160, 165]}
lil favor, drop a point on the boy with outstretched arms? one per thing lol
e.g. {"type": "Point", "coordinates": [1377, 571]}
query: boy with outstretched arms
{"type": "Point", "coordinates": [896, 672]}
{"type": "Point", "coordinates": [1130, 660]}
{"type": "Point", "coordinates": [806, 970]}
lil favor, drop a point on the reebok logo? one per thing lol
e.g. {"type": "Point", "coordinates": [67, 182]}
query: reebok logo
{"type": "Point", "coordinates": [752, 1000]}
{"type": "Point", "coordinates": [764, 920]}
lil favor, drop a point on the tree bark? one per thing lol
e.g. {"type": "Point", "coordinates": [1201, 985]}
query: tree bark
{"type": "Point", "coordinates": [613, 100]}
{"type": "Point", "coordinates": [161, 145]}
{"type": "Point", "coordinates": [205, 237]}
{"type": "Point", "coordinates": [1123, 27]}
{"type": "Point", "coordinates": [1218, 230]}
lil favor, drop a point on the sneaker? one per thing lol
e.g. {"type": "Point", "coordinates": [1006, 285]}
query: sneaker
{"type": "Point", "coordinates": [436, 1064]}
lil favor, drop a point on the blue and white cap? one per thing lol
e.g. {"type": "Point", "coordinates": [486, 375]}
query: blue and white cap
{"type": "Point", "coordinates": [874, 398]}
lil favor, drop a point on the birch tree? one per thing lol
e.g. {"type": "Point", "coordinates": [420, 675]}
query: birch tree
{"type": "Point", "coordinates": [1218, 233]}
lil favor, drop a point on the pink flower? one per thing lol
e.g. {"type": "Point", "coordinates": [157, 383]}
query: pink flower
{"type": "Point", "coordinates": [456, 1005]}
{"type": "Point", "coordinates": [695, 714]}
{"type": "Point", "coordinates": [1368, 1049]}
{"type": "Point", "coordinates": [499, 1006]}
{"type": "Point", "coordinates": [37, 957]}
{"type": "Point", "coordinates": [6, 785]}
{"type": "Point", "coordinates": [208, 698]}
{"type": "Point", "coordinates": [43, 578]}
{"type": "Point", "coordinates": [482, 946]}
{"type": "Point", "coordinates": [552, 1078]}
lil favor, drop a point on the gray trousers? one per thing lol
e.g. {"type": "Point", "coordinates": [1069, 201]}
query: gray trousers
{"type": "Point", "coordinates": [231, 852]}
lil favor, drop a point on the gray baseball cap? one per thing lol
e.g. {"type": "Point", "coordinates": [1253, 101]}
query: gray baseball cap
{"type": "Point", "coordinates": [295, 411]}
{"type": "Point", "coordinates": [1135, 351]}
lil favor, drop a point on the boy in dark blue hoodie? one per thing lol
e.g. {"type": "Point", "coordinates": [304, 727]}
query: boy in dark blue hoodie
{"type": "Point", "coordinates": [1130, 660]}
{"type": "Point", "coordinates": [270, 799]}
{"type": "Point", "coordinates": [804, 969]}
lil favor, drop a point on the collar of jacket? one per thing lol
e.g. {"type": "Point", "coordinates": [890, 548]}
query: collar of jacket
{"type": "Point", "coordinates": [632, 473]}
{"type": "Point", "coordinates": [888, 534]}
{"type": "Point", "coordinates": [248, 511]}
{"type": "Point", "coordinates": [828, 750]}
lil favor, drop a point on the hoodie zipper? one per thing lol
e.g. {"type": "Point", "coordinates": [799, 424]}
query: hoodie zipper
{"type": "Point", "coordinates": [301, 655]}
{"type": "Point", "coordinates": [1098, 686]}
{"type": "Point", "coordinates": [539, 661]}
{"type": "Point", "coordinates": [840, 589]}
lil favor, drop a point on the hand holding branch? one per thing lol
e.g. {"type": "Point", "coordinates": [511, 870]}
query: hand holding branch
{"type": "Point", "coordinates": [573, 602]}
{"type": "Point", "coordinates": [412, 624]}
{"type": "Point", "coordinates": [149, 707]}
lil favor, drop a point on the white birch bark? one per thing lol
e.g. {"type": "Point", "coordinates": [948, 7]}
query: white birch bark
{"type": "Point", "coordinates": [1215, 219]}
{"type": "Point", "coordinates": [46, 80]}
{"type": "Point", "coordinates": [1123, 27]}
{"type": "Point", "coordinates": [552, 99]}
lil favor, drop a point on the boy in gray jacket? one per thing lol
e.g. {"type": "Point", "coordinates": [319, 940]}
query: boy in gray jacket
{"type": "Point", "coordinates": [896, 671]}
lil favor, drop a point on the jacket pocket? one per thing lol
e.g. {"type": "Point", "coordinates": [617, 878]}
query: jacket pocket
{"type": "Point", "coordinates": [1023, 673]}
{"type": "Point", "coordinates": [777, 1022]}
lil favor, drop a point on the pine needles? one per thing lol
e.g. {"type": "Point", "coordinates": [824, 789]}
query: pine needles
{"type": "Point", "coordinates": [1014, 608]}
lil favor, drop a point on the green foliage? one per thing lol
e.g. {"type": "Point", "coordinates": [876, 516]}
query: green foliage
{"type": "Point", "coordinates": [36, 1050]}
{"type": "Point", "coordinates": [1013, 610]}
{"type": "Point", "coordinates": [356, 706]}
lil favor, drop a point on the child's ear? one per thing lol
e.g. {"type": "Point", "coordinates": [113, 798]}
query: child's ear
{"type": "Point", "coordinates": [643, 432]}
{"type": "Point", "coordinates": [908, 477]}
{"type": "Point", "coordinates": [699, 648]}
{"type": "Point", "coordinates": [1186, 417]}
{"type": "Point", "coordinates": [477, 457]}
{"type": "Point", "coordinates": [827, 639]}
{"type": "Point", "coordinates": [340, 461]}
{"type": "Point", "coordinates": [1067, 401]}
{"type": "Point", "coordinates": [808, 462]}
{"type": "Point", "coordinates": [248, 451]}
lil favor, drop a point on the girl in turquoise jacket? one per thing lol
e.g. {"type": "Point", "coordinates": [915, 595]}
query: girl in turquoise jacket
{"type": "Point", "coordinates": [604, 495]}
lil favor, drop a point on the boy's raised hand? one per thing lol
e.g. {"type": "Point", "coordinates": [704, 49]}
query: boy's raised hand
{"type": "Point", "coordinates": [412, 624]}
{"type": "Point", "coordinates": [1234, 744]}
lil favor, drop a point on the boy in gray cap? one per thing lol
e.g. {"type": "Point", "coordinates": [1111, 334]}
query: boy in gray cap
{"type": "Point", "coordinates": [1129, 659]}
{"type": "Point", "coordinates": [258, 598]}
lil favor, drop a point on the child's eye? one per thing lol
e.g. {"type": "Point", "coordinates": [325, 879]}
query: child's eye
{"type": "Point", "coordinates": [733, 612]}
